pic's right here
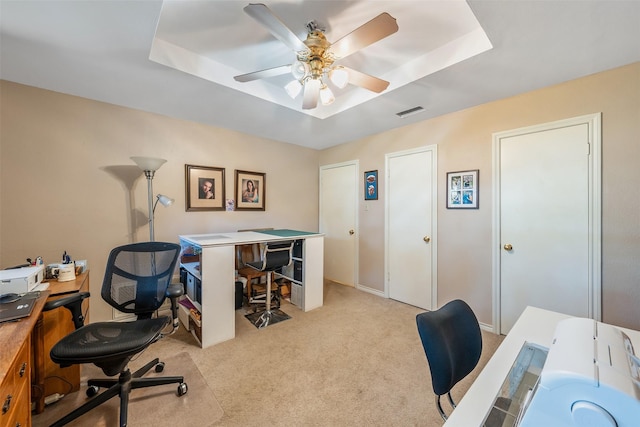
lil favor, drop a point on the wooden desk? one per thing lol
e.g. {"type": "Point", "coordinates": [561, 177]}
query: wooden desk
{"type": "Point", "coordinates": [56, 324]}
{"type": "Point", "coordinates": [16, 365]}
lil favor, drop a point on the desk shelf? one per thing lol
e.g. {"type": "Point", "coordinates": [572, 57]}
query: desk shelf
{"type": "Point", "coordinates": [192, 268]}
{"type": "Point", "coordinates": [216, 277]}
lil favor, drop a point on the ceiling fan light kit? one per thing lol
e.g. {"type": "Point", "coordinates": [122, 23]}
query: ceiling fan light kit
{"type": "Point", "coordinates": [315, 56]}
{"type": "Point", "coordinates": [293, 88]}
{"type": "Point", "coordinates": [300, 69]}
{"type": "Point", "coordinates": [339, 77]}
{"type": "Point", "coordinates": [326, 95]}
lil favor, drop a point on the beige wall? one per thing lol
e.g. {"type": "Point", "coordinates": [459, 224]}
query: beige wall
{"type": "Point", "coordinates": [64, 162]}
{"type": "Point", "coordinates": [464, 141]}
{"type": "Point", "coordinates": [67, 183]}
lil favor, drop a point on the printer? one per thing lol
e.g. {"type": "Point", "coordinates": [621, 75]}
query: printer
{"type": "Point", "coordinates": [591, 377]}
{"type": "Point", "coordinates": [20, 280]}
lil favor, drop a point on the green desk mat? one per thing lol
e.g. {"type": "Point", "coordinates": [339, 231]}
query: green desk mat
{"type": "Point", "coordinates": [286, 233]}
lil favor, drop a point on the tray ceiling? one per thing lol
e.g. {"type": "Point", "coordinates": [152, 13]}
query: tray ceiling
{"type": "Point", "coordinates": [439, 59]}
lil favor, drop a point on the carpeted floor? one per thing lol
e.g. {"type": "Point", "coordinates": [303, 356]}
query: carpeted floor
{"type": "Point", "coordinates": [357, 360]}
{"type": "Point", "coordinates": [198, 407]}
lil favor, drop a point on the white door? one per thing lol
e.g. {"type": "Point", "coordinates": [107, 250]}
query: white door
{"type": "Point", "coordinates": [410, 253]}
{"type": "Point", "coordinates": [338, 203]}
{"type": "Point", "coordinates": [546, 217]}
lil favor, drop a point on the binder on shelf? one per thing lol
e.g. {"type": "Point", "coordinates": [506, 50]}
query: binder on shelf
{"type": "Point", "coordinates": [297, 249]}
{"type": "Point", "coordinates": [297, 271]}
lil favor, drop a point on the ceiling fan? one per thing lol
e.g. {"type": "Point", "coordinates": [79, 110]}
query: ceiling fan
{"type": "Point", "coordinates": [316, 57]}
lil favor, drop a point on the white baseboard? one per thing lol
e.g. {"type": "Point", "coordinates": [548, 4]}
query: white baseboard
{"type": "Point", "coordinates": [370, 290]}
{"type": "Point", "coordinates": [484, 326]}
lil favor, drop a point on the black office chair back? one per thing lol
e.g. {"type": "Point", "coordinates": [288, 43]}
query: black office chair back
{"type": "Point", "coordinates": [274, 256]}
{"type": "Point", "coordinates": [137, 280]}
{"type": "Point", "coordinates": [452, 342]}
{"type": "Point", "coordinates": [138, 275]}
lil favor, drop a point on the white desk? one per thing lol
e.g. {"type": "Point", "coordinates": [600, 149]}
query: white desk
{"type": "Point", "coordinates": [217, 275]}
{"type": "Point", "coordinates": [535, 325]}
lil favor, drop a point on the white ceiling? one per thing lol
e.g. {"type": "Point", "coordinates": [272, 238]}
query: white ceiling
{"type": "Point", "coordinates": [439, 58]}
{"type": "Point", "coordinates": [198, 40]}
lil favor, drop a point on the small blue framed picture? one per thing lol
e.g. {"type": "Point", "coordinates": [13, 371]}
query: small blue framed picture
{"type": "Point", "coordinates": [371, 185]}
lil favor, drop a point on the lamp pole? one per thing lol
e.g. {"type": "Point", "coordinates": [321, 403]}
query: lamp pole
{"type": "Point", "coordinates": [149, 165]}
{"type": "Point", "coordinates": [149, 174]}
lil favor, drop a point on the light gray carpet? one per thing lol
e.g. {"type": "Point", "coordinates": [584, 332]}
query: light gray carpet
{"type": "Point", "coordinates": [149, 406]}
{"type": "Point", "coordinates": [355, 361]}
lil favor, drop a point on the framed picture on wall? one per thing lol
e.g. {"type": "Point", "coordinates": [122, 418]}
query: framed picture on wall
{"type": "Point", "coordinates": [371, 185]}
{"type": "Point", "coordinates": [462, 189]}
{"type": "Point", "coordinates": [204, 188]}
{"type": "Point", "coordinates": [250, 191]}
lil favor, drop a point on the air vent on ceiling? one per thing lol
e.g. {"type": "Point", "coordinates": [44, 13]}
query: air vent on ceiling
{"type": "Point", "coordinates": [410, 111]}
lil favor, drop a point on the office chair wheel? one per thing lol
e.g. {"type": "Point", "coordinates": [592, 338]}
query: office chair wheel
{"type": "Point", "coordinates": [92, 390]}
{"type": "Point", "coordinates": [182, 389]}
{"type": "Point", "coordinates": [160, 367]}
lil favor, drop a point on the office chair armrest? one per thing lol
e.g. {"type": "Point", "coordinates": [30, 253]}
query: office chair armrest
{"type": "Point", "coordinates": [175, 291]}
{"type": "Point", "coordinates": [73, 303]}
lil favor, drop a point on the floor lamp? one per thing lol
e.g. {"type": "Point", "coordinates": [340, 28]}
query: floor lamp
{"type": "Point", "coordinates": [150, 165]}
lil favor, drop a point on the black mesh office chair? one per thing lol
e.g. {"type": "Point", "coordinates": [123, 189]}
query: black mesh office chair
{"type": "Point", "coordinates": [274, 256]}
{"type": "Point", "coordinates": [137, 280]}
{"type": "Point", "coordinates": [452, 342]}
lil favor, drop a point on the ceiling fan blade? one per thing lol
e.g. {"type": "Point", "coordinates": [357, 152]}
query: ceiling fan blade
{"type": "Point", "coordinates": [378, 28]}
{"type": "Point", "coordinates": [366, 81]}
{"type": "Point", "coordinates": [311, 94]}
{"type": "Point", "coordinates": [263, 74]}
{"type": "Point", "coordinates": [271, 22]}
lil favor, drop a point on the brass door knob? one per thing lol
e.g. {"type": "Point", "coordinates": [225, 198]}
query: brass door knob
{"type": "Point", "coordinates": [426, 239]}
{"type": "Point", "coordinates": [508, 247]}
{"type": "Point", "coordinates": [351, 232]}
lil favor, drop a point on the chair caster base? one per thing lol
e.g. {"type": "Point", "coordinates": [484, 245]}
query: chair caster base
{"type": "Point", "coordinates": [92, 391]}
{"type": "Point", "coordinates": [262, 319]}
{"type": "Point", "coordinates": [182, 389]}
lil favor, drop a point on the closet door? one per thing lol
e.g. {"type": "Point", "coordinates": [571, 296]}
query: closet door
{"type": "Point", "coordinates": [411, 227]}
{"type": "Point", "coordinates": [338, 221]}
{"type": "Point", "coordinates": [548, 228]}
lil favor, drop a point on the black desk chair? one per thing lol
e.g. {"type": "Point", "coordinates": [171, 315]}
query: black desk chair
{"type": "Point", "coordinates": [274, 256]}
{"type": "Point", "coordinates": [137, 280]}
{"type": "Point", "coordinates": [452, 342]}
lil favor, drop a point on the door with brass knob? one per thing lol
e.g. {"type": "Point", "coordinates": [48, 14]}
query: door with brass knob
{"type": "Point", "coordinates": [411, 227]}
{"type": "Point", "coordinates": [547, 252]}
{"type": "Point", "coordinates": [339, 186]}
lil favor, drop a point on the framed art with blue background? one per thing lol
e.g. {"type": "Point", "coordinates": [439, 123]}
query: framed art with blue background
{"type": "Point", "coordinates": [462, 189]}
{"type": "Point", "coordinates": [371, 185]}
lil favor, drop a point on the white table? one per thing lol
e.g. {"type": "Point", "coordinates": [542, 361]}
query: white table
{"type": "Point", "coordinates": [217, 275]}
{"type": "Point", "coordinates": [536, 326]}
